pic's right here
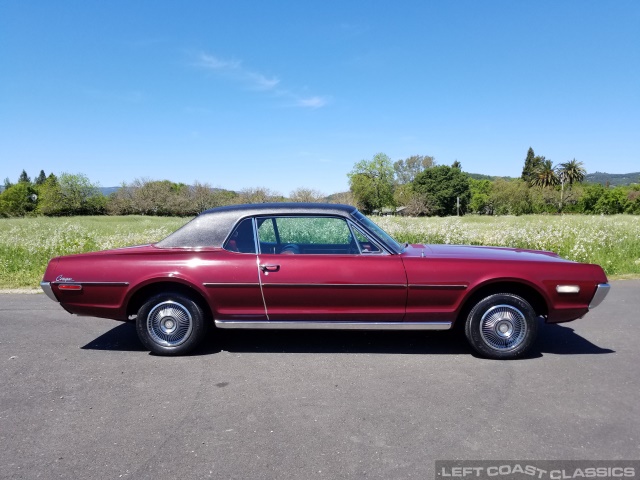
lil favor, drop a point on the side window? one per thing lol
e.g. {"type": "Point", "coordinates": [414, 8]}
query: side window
{"type": "Point", "coordinates": [242, 238]}
{"type": "Point", "coordinates": [306, 235]}
{"type": "Point", "coordinates": [366, 245]}
{"type": "Point", "coordinates": [266, 230]}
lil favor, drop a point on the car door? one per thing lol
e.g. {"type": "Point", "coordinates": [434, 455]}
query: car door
{"type": "Point", "coordinates": [233, 282]}
{"type": "Point", "coordinates": [319, 268]}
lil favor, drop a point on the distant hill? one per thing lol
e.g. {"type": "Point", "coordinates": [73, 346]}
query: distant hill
{"type": "Point", "coordinates": [108, 190]}
{"type": "Point", "coordinates": [480, 176]}
{"type": "Point", "coordinates": [613, 179]}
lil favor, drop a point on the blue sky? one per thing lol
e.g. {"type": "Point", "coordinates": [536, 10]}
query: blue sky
{"type": "Point", "coordinates": [291, 94]}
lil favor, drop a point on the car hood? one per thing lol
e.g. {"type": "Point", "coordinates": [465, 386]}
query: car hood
{"type": "Point", "coordinates": [481, 253]}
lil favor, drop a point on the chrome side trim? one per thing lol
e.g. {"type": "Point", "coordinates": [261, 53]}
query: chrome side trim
{"type": "Point", "coordinates": [315, 325]}
{"type": "Point", "coordinates": [601, 292]}
{"type": "Point", "coordinates": [264, 301]}
{"type": "Point", "coordinates": [337, 285]}
{"type": "Point", "coordinates": [438, 287]}
{"type": "Point", "coordinates": [106, 284]}
{"type": "Point", "coordinates": [228, 284]}
{"type": "Point", "coordinates": [46, 287]}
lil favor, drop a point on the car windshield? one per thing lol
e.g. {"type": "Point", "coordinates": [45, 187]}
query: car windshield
{"type": "Point", "coordinates": [381, 234]}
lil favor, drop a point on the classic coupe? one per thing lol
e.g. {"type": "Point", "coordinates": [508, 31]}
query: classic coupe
{"type": "Point", "coordinates": [320, 266]}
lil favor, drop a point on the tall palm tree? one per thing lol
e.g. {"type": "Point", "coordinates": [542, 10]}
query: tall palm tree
{"type": "Point", "coordinates": [569, 173]}
{"type": "Point", "coordinates": [545, 175]}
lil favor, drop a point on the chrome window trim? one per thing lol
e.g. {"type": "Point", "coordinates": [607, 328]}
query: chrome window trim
{"type": "Point", "coordinates": [601, 292]}
{"type": "Point", "coordinates": [358, 220]}
{"type": "Point", "coordinates": [254, 223]}
{"type": "Point", "coordinates": [233, 229]}
{"type": "Point", "coordinates": [384, 250]}
{"type": "Point", "coordinates": [328, 325]}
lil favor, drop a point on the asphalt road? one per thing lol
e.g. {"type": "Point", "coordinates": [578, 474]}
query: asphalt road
{"type": "Point", "coordinates": [80, 399]}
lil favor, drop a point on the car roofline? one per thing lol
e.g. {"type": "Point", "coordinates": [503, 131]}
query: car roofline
{"type": "Point", "coordinates": [211, 227]}
{"type": "Point", "coordinates": [252, 209]}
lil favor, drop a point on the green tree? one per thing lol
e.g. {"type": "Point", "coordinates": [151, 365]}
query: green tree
{"type": "Point", "coordinates": [17, 200]}
{"type": "Point", "coordinates": [544, 200]}
{"type": "Point", "coordinates": [371, 182]}
{"type": "Point", "coordinates": [406, 170]}
{"type": "Point", "coordinates": [510, 197]}
{"type": "Point", "coordinates": [590, 196]}
{"type": "Point", "coordinates": [568, 174]}
{"type": "Point", "coordinates": [480, 196]}
{"type": "Point", "coordinates": [70, 194]}
{"type": "Point", "coordinates": [531, 162]}
{"type": "Point", "coordinates": [612, 201]}
{"type": "Point", "coordinates": [41, 178]}
{"type": "Point", "coordinates": [24, 178]}
{"type": "Point", "coordinates": [633, 200]}
{"type": "Point", "coordinates": [544, 174]}
{"type": "Point", "coordinates": [441, 186]}
{"type": "Point", "coordinates": [416, 204]}
{"type": "Point", "coordinates": [457, 165]}
{"type": "Point", "coordinates": [572, 172]}
{"type": "Point", "coordinates": [202, 197]}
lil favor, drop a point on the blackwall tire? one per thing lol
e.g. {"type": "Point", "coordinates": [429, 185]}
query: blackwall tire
{"type": "Point", "coordinates": [170, 324]}
{"type": "Point", "coordinates": [502, 326]}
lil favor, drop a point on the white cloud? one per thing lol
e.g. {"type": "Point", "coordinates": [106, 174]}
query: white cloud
{"type": "Point", "coordinates": [235, 70]}
{"type": "Point", "coordinates": [261, 82]}
{"type": "Point", "coordinates": [311, 102]}
{"type": "Point", "coordinates": [214, 63]}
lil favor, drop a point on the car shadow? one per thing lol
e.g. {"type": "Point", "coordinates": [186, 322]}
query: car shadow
{"type": "Point", "coordinates": [333, 341]}
{"type": "Point", "coordinates": [552, 339]}
{"type": "Point", "coordinates": [122, 338]}
{"type": "Point", "coordinates": [563, 340]}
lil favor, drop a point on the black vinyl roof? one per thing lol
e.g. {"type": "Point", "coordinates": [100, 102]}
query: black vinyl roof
{"type": "Point", "coordinates": [211, 227]}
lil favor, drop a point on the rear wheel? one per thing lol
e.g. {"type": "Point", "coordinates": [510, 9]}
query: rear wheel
{"type": "Point", "coordinates": [502, 326]}
{"type": "Point", "coordinates": [170, 324]}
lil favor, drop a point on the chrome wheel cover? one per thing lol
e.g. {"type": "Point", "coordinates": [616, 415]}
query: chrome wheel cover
{"type": "Point", "coordinates": [169, 324]}
{"type": "Point", "coordinates": [503, 327]}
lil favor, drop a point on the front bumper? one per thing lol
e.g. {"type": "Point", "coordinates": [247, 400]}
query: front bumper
{"type": "Point", "coordinates": [601, 292]}
{"type": "Point", "coordinates": [46, 287]}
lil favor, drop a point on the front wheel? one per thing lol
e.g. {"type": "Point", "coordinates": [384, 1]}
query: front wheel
{"type": "Point", "coordinates": [502, 326]}
{"type": "Point", "coordinates": [170, 324]}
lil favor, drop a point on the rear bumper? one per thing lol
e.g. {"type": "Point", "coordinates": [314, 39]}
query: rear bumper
{"type": "Point", "coordinates": [46, 287]}
{"type": "Point", "coordinates": [601, 292]}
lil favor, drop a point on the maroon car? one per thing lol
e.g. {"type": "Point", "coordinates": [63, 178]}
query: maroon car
{"type": "Point", "coordinates": [320, 266]}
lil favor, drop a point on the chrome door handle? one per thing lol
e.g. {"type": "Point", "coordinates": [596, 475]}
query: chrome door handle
{"type": "Point", "coordinates": [269, 268]}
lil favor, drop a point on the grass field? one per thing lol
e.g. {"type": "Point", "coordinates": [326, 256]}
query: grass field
{"type": "Point", "coordinates": [27, 244]}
